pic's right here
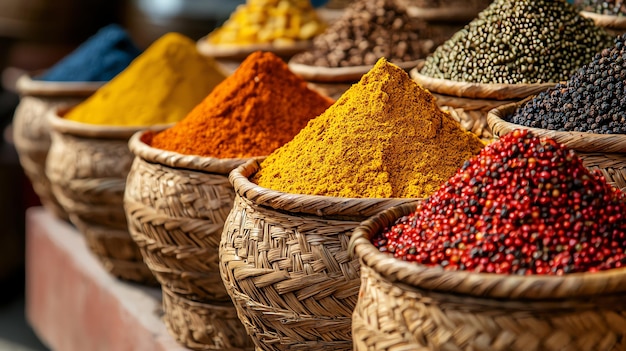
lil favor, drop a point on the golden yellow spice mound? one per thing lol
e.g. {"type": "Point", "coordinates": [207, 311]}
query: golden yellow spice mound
{"type": "Point", "coordinates": [159, 87]}
{"type": "Point", "coordinates": [278, 22]}
{"type": "Point", "coordinates": [384, 137]}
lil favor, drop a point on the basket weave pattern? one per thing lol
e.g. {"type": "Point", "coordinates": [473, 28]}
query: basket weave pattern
{"type": "Point", "coordinates": [471, 114]}
{"type": "Point", "coordinates": [407, 306]}
{"type": "Point", "coordinates": [88, 177]}
{"type": "Point", "coordinates": [603, 152]}
{"type": "Point", "coordinates": [388, 317]}
{"type": "Point", "coordinates": [285, 264]}
{"type": "Point", "coordinates": [178, 227]}
{"type": "Point", "coordinates": [176, 206]}
{"type": "Point", "coordinates": [31, 133]}
{"type": "Point", "coordinates": [215, 327]}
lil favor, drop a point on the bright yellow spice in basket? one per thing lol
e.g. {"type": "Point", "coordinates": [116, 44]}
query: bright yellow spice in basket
{"type": "Point", "coordinates": [159, 87]}
{"type": "Point", "coordinates": [278, 22]}
{"type": "Point", "coordinates": [384, 137]}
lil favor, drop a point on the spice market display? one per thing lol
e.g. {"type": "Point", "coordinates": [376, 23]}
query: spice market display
{"type": "Point", "coordinates": [516, 206]}
{"type": "Point", "coordinates": [513, 42]}
{"type": "Point", "coordinates": [524, 205]}
{"type": "Point", "coordinates": [249, 114]}
{"type": "Point", "coordinates": [385, 137]}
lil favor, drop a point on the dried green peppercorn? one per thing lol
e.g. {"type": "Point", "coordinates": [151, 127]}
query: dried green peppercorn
{"type": "Point", "coordinates": [523, 41]}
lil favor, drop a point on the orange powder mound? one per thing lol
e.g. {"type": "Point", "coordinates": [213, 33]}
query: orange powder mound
{"type": "Point", "coordinates": [259, 108]}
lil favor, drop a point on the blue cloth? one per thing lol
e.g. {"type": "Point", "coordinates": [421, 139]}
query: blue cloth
{"type": "Point", "coordinates": [100, 58]}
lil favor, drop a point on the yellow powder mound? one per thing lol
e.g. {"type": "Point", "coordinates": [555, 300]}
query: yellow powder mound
{"type": "Point", "coordinates": [160, 86]}
{"type": "Point", "coordinates": [384, 137]}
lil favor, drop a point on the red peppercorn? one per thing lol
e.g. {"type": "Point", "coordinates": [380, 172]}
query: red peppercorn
{"type": "Point", "coordinates": [524, 205]}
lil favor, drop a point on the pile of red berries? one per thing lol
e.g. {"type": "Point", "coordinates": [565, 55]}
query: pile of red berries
{"type": "Point", "coordinates": [524, 205]}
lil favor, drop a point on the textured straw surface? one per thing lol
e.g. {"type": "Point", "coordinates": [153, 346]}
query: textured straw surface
{"type": "Point", "coordinates": [285, 264]}
{"type": "Point", "coordinates": [615, 25]}
{"type": "Point", "coordinates": [87, 166]}
{"type": "Point", "coordinates": [176, 206]}
{"type": "Point", "coordinates": [470, 113]}
{"type": "Point", "coordinates": [469, 103]}
{"type": "Point", "coordinates": [604, 152]}
{"type": "Point", "coordinates": [203, 326]}
{"type": "Point", "coordinates": [31, 131]}
{"type": "Point", "coordinates": [407, 306]}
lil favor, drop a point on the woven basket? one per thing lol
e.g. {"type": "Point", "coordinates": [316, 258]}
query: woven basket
{"type": "Point", "coordinates": [31, 132]}
{"type": "Point", "coordinates": [614, 25]}
{"type": "Point", "coordinates": [408, 306]}
{"type": "Point", "coordinates": [203, 326]}
{"type": "Point", "coordinates": [462, 11]}
{"type": "Point", "coordinates": [469, 103]}
{"type": "Point", "coordinates": [87, 166]}
{"type": "Point", "coordinates": [285, 264]}
{"type": "Point", "coordinates": [176, 206]}
{"type": "Point", "coordinates": [604, 152]}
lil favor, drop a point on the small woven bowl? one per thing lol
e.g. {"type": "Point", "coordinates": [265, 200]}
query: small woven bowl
{"type": "Point", "coordinates": [87, 166]}
{"type": "Point", "coordinates": [285, 264]}
{"type": "Point", "coordinates": [462, 11]}
{"type": "Point", "coordinates": [176, 206]}
{"type": "Point", "coordinates": [240, 52]}
{"type": "Point", "coordinates": [469, 103]}
{"type": "Point", "coordinates": [603, 152]}
{"type": "Point", "coordinates": [31, 131]}
{"type": "Point", "coordinates": [408, 306]}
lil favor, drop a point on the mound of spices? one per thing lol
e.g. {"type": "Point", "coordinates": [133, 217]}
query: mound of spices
{"type": "Point", "coordinates": [593, 100]}
{"type": "Point", "coordinates": [100, 58]}
{"type": "Point", "coordinates": [257, 109]}
{"type": "Point", "coordinates": [278, 22]}
{"type": "Point", "coordinates": [384, 137]}
{"type": "Point", "coordinates": [523, 41]}
{"type": "Point", "coordinates": [524, 205]}
{"type": "Point", "coordinates": [160, 86]}
{"type": "Point", "coordinates": [367, 31]}
{"type": "Point", "coordinates": [609, 8]}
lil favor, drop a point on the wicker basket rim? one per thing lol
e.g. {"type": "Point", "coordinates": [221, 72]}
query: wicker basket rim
{"type": "Point", "coordinates": [444, 13]}
{"type": "Point", "coordinates": [609, 21]}
{"type": "Point", "coordinates": [62, 125]}
{"type": "Point", "coordinates": [317, 205]}
{"type": "Point", "coordinates": [26, 85]}
{"type": "Point", "coordinates": [476, 90]}
{"type": "Point", "coordinates": [338, 74]}
{"type": "Point", "coordinates": [484, 285]}
{"type": "Point", "coordinates": [177, 160]}
{"type": "Point", "coordinates": [241, 51]}
{"type": "Point", "coordinates": [580, 141]}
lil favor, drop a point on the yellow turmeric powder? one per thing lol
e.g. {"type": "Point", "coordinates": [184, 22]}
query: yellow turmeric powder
{"type": "Point", "coordinates": [159, 87]}
{"type": "Point", "coordinates": [384, 137]}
